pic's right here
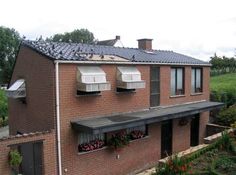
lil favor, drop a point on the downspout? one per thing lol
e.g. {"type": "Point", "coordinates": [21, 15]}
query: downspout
{"type": "Point", "coordinates": [58, 119]}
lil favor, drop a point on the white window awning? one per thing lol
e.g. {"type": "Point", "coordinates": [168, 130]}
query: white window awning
{"type": "Point", "coordinates": [129, 77]}
{"type": "Point", "coordinates": [17, 89]}
{"type": "Point", "coordinates": [91, 79]}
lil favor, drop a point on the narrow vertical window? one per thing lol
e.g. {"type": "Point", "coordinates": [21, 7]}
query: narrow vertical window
{"type": "Point", "coordinates": [155, 86]}
{"type": "Point", "coordinates": [196, 82]}
{"type": "Point", "coordinates": [177, 81]}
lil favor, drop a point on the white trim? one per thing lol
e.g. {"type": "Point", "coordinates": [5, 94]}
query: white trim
{"type": "Point", "coordinates": [58, 119]}
{"type": "Point", "coordinates": [127, 63]}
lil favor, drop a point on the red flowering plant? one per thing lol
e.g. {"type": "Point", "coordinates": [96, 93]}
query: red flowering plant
{"type": "Point", "coordinates": [92, 145]}
{"type": "Point", "coordinates": [175, 165]}
{"type": "Point", "coordinates": [136, 134]}
{"type": "Point", "coordinates": [119, 140]}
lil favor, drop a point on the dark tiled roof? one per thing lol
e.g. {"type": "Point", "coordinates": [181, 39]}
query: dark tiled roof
{"type": "Point", "coordinates": [81, 52]}
{"type": "Point", "coordinates": [110, 42]}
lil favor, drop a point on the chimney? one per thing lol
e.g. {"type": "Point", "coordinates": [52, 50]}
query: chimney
{"type": "Point", "coordinates": [117, 37]}
{"type": "Point", "coordinates": [145, 44]}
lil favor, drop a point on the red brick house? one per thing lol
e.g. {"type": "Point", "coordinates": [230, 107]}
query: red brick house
{"type": "Point", "coordinates": [89, 93]}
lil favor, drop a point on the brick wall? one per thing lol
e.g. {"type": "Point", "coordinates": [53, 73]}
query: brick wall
{"type": "Point", "coordinates": [38, 114]}
{"type": "Point", "coordinates": [181, 136]}
{"type": "Point", "coordinates": [49, 151]}
{"type": "Point", "coordinates": [139, 154]}
{"type": "Point", "coordinates": [204, 119]}
{"type": "Point", "coordinates": [165, 73]}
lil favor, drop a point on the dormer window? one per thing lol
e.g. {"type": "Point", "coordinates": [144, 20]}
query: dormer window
{"type": "Point", "coordinates": [17, 89]}
{"type": "Point", "coordinates": [91, 79]}
{"type": "Point", "coordinates": [129, 78]}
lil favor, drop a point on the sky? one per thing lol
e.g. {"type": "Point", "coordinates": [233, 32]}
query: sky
{"type": "Point", "coordinates": [197, 28]}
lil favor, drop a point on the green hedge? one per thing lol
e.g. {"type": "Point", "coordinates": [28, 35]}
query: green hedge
{"type": "Point", "coordinates": [3, 105]}
{"type": "Point", "coordinates": [227, 116]}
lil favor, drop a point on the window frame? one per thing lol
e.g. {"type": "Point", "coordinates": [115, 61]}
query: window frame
{"type": "Point", "coordinates": [195, 80]}
{"type": "Point", "coordinates": [155, 80]}
{"type": "Point", "coordinates": [176, 82]}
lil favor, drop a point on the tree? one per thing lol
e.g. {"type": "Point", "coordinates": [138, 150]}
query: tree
{"type": "Point", "coordinates": [76, 36]}
{"type": "Point", "coordinates": [9, 43]}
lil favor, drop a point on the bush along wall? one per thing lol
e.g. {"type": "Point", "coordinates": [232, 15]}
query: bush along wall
{"type": "Point", "coordinates": [3, 109]}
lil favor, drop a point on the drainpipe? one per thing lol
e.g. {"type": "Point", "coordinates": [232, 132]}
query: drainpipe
{"type": "Point", "coordinates": [58, 119]}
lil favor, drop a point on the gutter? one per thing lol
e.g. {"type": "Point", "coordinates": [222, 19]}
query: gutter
{"type": "Point", "coordinates": [58, 119]}
{"type": "Point", "coordinates": [127, 62]}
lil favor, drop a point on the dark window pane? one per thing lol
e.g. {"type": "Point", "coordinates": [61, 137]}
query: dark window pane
{"type": "Point", "coordinates": [155, 100]}
{"type": "Point", "coordinates": [155, 87]}
{"type": "Point", "coordinates": [155, 73]}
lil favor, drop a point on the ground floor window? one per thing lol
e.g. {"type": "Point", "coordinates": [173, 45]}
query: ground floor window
{"type": "Point", "coordinates": [90, 142]}
{"type": "Point", "coordinates": [137, 132]}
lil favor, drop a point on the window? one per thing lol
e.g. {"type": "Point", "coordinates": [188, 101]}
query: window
{"type": "Point", "coordinates": [196, 80]}
{"type": "Point", "coordinates": [91, 79]}
{"type": "Point", "coordinates": [137, 132]}
{"type": "Point", "coordinates": [90, 142]}
{"type": "Point", "coordinates": [177, 81]}
{"type": "Point", "coordinates": [128, 78]}
{"type": "Point", "coordinates": [155, 86]}
{"type": "Point", "coordinates": [17, 89]}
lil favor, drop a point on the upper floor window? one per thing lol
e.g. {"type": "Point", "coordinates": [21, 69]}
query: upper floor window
{"type": "Point", "coordinates": [177, 81]}
{"type": "Point", "coordinates": [154, 86]}
{"type": "Point", "coordinates": [196, 80]}
{"type": "Point", "coordinates": [91, 79]}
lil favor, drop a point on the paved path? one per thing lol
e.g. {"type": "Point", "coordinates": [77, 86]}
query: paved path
{"type": "Point", "coordinates": [4, 131]}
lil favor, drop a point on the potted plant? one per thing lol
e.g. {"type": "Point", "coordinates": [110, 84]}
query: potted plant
{"type": "Point", "coordinates": [92, 145]}
{"type": "Point", "coordinates": [119, 140]}
{"type": "Point", "coordinates": [136, 134]}
{"type": "Point", "coordinates": [15, 160]}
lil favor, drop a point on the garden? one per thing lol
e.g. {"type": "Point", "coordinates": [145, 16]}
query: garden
{"type": "Point", "coordinates": [218, 158]}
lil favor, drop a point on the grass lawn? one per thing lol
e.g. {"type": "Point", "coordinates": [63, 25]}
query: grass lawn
{"type": "Point", "coordinates": [223, 82]}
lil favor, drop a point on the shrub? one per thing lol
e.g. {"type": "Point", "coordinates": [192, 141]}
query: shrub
{"type": "Point", "coordinates": [3, 121]}
{"type": "Point", "coordinates": [15, 159]}
{"type": "Point", "coordinates": [3, 105]}
{"type": "Point", "coordinates": [174, 165]}
{"type": "Point", "coordinates": [227, 116]}
{"type": "Point", "coordinates": [224, 163]}
{"type": "Point", "coordinates": [119, 140]}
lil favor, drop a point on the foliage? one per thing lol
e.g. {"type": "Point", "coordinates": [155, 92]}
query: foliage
{"type": "Point", "coordinates": [221, 65]}
{"type": "Point", "coordinates": [224, 162]}
{"type": "Point", "coordinates": [76, 36]}
{"type": "Point", "coordinates": [92, 145]}
{"type": "Point", "coordinates": [223, 88]}
{"type": "Point", "coordinates": [3, 105]}
{"type": "Point", "coordinates": [119, 140]}
{"type": "Point", "coordinates": [227, 116]}
{"type": "Point", "coordinates": [215, 159]}
{"type": "Point", "coordinates": [136, 134]}
{"type": "Point", "coordinates": [9, 43]}
{"type": "Point", "coordinates": [174, 165]}
{"type": "Point", "coordinates": [3, 122]}
{"type": "Point", "coordinates": [15, 158]}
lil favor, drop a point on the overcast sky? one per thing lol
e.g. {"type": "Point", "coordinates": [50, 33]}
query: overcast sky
{"type": "Point", "coordinates": [198, 28]}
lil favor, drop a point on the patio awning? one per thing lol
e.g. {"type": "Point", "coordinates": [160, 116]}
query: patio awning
{"type": "Point", "coordinates": [117, 122]}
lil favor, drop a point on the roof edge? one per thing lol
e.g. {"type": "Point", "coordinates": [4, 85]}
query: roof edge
{"type": "Point", "coordinates": [127, 62]}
